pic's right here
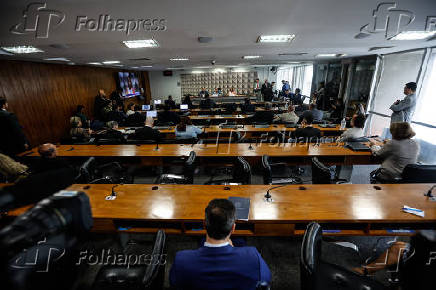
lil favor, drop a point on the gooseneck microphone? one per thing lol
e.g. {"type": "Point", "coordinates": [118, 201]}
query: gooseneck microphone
{"type": "Point", "coordinates": [429, 192]}
{"type": "Point", "coordinates": [268, 196]}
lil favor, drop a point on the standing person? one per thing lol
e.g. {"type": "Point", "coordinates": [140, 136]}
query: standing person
{"type": "Point", "coordinates": [297, 98]}
{"type": "Point", "coordinates": [117, 96]}
{"type": "Point", "coordinates": [218, 264]}
{"type": "Point", "coordinates": [320, 96]}
{"type": "Point", "coordinates": [285, 86]}
{"type": "Point", "coordinates": [13, 140]}
{"type": "Point", "coordinates": [256, 89]}
{"type": "Point", "coordinates": [170, 102]}
{"type": "Point", "coordinates": [266, 86]}
{"type": "Point", "coordinates": [402, 110]}
{"type": "Point", "coordinates": [100, 102]}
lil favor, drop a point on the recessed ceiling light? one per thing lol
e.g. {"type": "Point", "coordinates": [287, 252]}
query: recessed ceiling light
{"type": "Point", "coordinates": [330, 55]}
{"type": "Point", "coordinates": [95, 63]}
{"type": "Point", "coordinates": [22, 49]}
{"type": "Point", "coordinates": [135, 67]}
{"type": "Point", "coordinates": [174, 68]}
{"type": "Point", "coordinates": [141, 43]}
{"type": "Point", "coordinates": [251, 56]}
{"type": "Point", "coordinates": [275, 38]}
{"type": "Point", "coordinates": [179, 59]}
{"type": "Point", "coordinates": [197, 72]}
{"type": "Point", "coordinates": [413, 35]}
{"type": "Point", "coordinates": [292, 53]}
{"type": "Point", "coordinates": [201, 67]}
{"type": "Point", "coordinates": [146, 66]}
{"type": "Point", "coordinates": [219, 70]}
{"type": "Point", "coordinates": [117, 65]}
{"type": "Point", "coordinates": [111, 62]}
{"type": "Point", "coordinates": [57, 59]}
{"type": "Point", "coordinates": [294, 62]}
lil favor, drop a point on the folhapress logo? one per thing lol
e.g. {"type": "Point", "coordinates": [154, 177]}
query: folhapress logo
{"type": "Point", "coordinates": [386, 18]}
{"type": "Point", "coordinates": [38, 19]}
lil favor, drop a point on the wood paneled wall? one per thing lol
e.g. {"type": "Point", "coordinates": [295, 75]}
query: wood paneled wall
{"type": "Point", "coordinates": [44, 96]}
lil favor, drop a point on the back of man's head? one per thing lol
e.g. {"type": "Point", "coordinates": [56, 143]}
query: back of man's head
{"type": "Point", "coordinates": [220, 216]}
{"type": "Point", "coordinates": [3, 103]}
{"type": "Point", "coordinates": [268, 106]}
{"type": "Point", "coordinates": [47, 150]}
{"type": "Point", "coordinates": [411, 86]}
{"type": "Point", "coordinates": [297, 91]}
{"type": "Point", "coordinates": [312, 106]}
{"type": "Point", "coordinates": [359, 121]}
{"type": "Point", "coordinates": [309, 119]}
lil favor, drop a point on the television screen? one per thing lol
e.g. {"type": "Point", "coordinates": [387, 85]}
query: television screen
{"type": "Point", "coordinates": [157, 102]}
{"type": "Point", "coordinates": [152, 114]}
{"type": "Point", "coordinates": [145, 107]}
{"type": "Point", "coordinates": [183, 107]}
{"type": "Point", "coordinates": [129, 83]}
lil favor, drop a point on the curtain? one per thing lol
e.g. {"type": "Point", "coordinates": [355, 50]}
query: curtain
{"type": "Point", "coordinates": [299, 76]}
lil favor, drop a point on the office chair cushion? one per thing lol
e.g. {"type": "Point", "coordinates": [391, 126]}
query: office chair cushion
{"type": "Point", "coordinates": [416, 173]}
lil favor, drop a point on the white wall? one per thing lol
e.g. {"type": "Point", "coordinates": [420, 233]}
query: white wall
{"type": "Point", "coordinates": [162, 86]}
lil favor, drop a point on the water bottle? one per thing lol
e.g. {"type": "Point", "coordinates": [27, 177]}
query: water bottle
{"type": "Point", "coordinates": [343, 124]}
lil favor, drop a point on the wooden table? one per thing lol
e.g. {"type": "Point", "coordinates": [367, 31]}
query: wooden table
{"type": "Point", "coordinates": [346, 209]}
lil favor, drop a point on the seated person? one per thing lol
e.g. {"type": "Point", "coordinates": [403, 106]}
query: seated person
{"type": "Point", "coordinates": [247, 107]}
{"type": "Point", "coordinates": [309, 133]}
{"type": "Point", "coordinates": [337, 110]}
{"type": "Point", "coordinates": [217, 264]}
{"type": "Point", "coordinates": [288, 117]}
{"type": "Point", "coordinates": [232, 92]}
{"type": "Point", "coordinates": [356, 130]}
{"type": "Point", "coordinates": [207, 103]}
{"type": "Point", "coordinates": [170, 102]}
{"type": "Point", "coordinates": [79, 113]}
{"type": "Point", "coordinates": [49, 160]}
{"type": "Point", "coordinates": [215, 93]}
{"type": "Point", "coordinates": [230, 108]}
{"type": "Point", "coordinates": [131, 109]}
{"type": "Point", "coordinates": [288, 95]}
{"type": "Point", "coordinates": [111, 133]}
{"type": "Point", "coordinates": [203, 93]}
{"type": "Point", "coordinates": [314, 112]}
{"type": "Point", "coordinates": [396, 153]}
{"type": "Point", "coordinates": [147, 132]}
{"type": "Point", "coordinates": [117, 115]}
{"type": "Point", "coordinates": [12, 170]}
{"type": "Point", "coordinates": [168, 116]}
{"type": "Point", "coordinates": [266, 116]}
{"type": "Point", "coordinates": [187, 101]}
{"type": "Point", "coordinates": [185, 129]}
{"type": "Point", "coordinates": [76, 129]}
{"type": "Point", "coordinates": [297, 98]}
{"type": "Point", "coordinates": [136, 119]}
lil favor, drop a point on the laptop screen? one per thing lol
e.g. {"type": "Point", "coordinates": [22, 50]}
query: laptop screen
{"type": "Point", "coordinates": [157, 102]}
{"type": "Point", "coordinates": [145, 107]}
{"type": "Point", "coordinates": [183, 107]}
{"type": "Point", "coordinates": [152, 114]}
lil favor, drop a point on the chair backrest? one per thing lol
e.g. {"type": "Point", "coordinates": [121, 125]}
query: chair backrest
{"type": "Point", "coordinates": [189, 167]}
{"type": "Point", "coordinates": [242, 171]}
{"type": "Point", "coordinates": [416, 173]}
{"type": "Point", "coordinates": [87, 171]}
{"type": "Point", "coordinates": [267, 171]}
{"type": "Point", "coordinates": [310, 255]}
{"type": "Point", "coordinates": [320, 172]}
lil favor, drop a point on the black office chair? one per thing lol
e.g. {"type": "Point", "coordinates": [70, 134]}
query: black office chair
{"type": "Point", "coordinates": [417, 173]}
{"type": "Point", "coordinates": [278, 173]}
{"type": "Point", "coordinates": [186, 177]}
{"type": "Point", "coordinates": [240, 171]}
{"type": "Point", "coordinates": [163, 123]}
{"type": "Point", "coordinates": [108, 173]}
{"type": "Point", "coordinates": [317, 274]}
{"type": "Point", "coordinates": [149, 275]}
{"type": "Point", "coordinates": [322, 174]}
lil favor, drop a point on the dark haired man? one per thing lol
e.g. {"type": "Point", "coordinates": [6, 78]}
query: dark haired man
{"type": "Point", "coordinates": [13, 140]}
{"type": "Point", "coordinates": [356, 130]}
{"type": "Point", "coordinates": [308, 132]}
{"type": "Point", "coordinates": [402, 110]}
{"type": "Point", "coordinates": [217, 264]}
{"type": "Point", "coordinates": [170, 102]}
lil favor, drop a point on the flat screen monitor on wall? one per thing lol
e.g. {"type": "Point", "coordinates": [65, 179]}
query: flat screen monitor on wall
{"type": "Point", "coordinates": [129, 83]}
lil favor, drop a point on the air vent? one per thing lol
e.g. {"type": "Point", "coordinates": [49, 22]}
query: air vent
{"type": "Point", "coordinates": [292, 54]}
{"type": "Point", "coordinates": [140, 59]}
{"type": "Point", "coordinates": [379, 47]}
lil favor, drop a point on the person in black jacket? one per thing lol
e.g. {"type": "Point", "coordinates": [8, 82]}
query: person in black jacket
{"type": "Point", "coordinates": [117, 115]}
{"type": "Point", "coordinates": [49, 160]}
{"type": "Point", "coordinates": [146, 133]}
{"type": "Point", "coordinates": [13, 140]}
{"type": "Point", "coordinates": [187, 101]}
{"type": "Point", "coordinates": [168, 116]}
{"type": "Point", "coordinates": [207, 103]}
{"type": "Point", "coordinates": [266, 116]}
{"type": "Point", "coordinates": [308, 133]}
{"type": "Point", "coordinates": [136, 119]}
{"type": "Point", "coordinates": [100, 103]}
{"type": "Point", "coordinates": [170, 102]}
{"type": "Point", "coordinates": [248, 107]}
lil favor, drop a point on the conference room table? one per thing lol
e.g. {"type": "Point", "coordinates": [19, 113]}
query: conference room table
{"type": "Point", "coordinates": [344, 209]}
{"type": "Point", "coordinates": [292, 153]}
{"type": "Point", "coordinates": [218, 111]}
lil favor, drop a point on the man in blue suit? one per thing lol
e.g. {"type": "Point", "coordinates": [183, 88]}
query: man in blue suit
{"type": "Point", "coordinates": [217, 264]}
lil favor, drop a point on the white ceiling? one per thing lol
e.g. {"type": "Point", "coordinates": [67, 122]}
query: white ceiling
{"type": "Point", "coordinates": [320, 26]}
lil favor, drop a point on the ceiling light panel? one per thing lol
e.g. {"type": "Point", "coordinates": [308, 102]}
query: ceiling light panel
{"type": "Point", "coordinates": [141, 43]}
{"type": "Point", "coordinates": [22, 49]}
{"type": "Point", "coordinates": [276, 38]}
{"type": "Point", "coordinates": [251, 56]}
{"type": "Point", "coordinates": [413, 35]}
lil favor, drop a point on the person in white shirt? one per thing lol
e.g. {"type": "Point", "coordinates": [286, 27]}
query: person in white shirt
{"type": "Point", "coordinates": [357, 124]}
{"type": "Point", "coordinates": [131, 109]}
{"type": "Point", "coordinates": [185, 129]}
{"type": "Point", "coordinates": [232, 92]}
{"type": "Point", "coordinates": [289, 117]}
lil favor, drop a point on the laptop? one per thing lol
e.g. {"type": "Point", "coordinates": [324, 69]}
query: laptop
{"type": "Point", "coordinates": [184, 107]}
{"type": "Point", "coordinates": [157, 102]}
{"type": "Point", "coordinates": [152, 114]}
{"type": "Point", "coordinates": [357, 146]}
{"type": "Point", "coordinates": [261, 126]}
{"type": "Point", "coordinates": [146, 107]}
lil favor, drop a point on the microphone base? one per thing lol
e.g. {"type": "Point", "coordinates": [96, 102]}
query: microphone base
{"type": "Point", "coordinates": [268, 199]}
